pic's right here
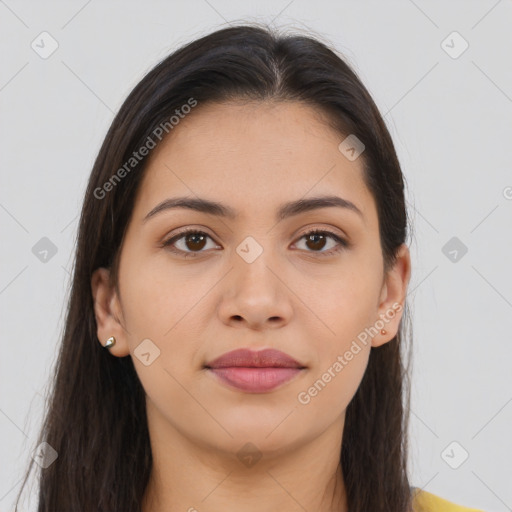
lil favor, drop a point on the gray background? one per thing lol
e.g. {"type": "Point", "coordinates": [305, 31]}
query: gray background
{"type": "Point", "coordinates": [450, 120]}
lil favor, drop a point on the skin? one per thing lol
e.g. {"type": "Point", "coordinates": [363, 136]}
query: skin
{"type": "Point", "coordinates": [252, 157]}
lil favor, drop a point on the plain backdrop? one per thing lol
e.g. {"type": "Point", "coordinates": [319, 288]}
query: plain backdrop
{"type": "Point", "coordinates": [440, 71]}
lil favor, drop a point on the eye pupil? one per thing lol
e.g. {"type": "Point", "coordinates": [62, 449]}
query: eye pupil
{"type": "Point", "coordinates": [313, 238]}
{"type": "Point", "coordinates": [195, 236]}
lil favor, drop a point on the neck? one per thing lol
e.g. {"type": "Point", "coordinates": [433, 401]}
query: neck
{"type": "Point", "coordinates": [193, 478]}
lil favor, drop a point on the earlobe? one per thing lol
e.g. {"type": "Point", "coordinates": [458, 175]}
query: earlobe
{"type": "Point", "coordinates": [107, 314]}
{"type": "Point", "coordinates": [393, 295]}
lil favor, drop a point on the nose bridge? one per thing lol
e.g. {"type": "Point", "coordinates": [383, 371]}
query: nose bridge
{"type": "Point", "coordinates": [254, 290]}
{"type": "Point", "coordinates": [254, 266]}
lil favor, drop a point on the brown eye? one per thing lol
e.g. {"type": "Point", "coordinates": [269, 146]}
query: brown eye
{"type": "Point", "coordinates": [317, 240]}
{"type": "Point", "coordinates": [192, 241]}
{"type": "Point", "coordinates": [195, 241]}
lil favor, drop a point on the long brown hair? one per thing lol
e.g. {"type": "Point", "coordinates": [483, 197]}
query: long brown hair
{"type": "Point", "coordinates": [95, 416]}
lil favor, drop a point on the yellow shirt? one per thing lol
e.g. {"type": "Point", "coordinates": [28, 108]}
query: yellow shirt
{"type": "Point", "coordinates": [426, 502]}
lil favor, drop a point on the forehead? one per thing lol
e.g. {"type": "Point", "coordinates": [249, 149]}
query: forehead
{"type": "Point", "coordinates": [250, 155]}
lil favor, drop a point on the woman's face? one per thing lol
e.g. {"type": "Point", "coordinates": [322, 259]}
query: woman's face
{"type": "Point", "coordinates": [255, 280]}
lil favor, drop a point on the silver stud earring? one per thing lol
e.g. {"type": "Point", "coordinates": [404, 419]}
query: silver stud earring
{"type": "Point", "coordinates": [110, 342]}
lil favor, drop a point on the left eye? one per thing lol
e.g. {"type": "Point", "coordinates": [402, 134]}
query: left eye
{"type": "Point", "coordinates": [195, 241]}
{"type": "Point", "coordinates": [318, 237]}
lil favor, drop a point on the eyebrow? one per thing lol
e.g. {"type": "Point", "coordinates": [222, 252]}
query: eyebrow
{"type": "Point", "coordinates": [286, 210]}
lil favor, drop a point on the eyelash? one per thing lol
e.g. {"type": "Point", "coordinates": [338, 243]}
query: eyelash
{"type": "Point", "coordinates": [343, 244]}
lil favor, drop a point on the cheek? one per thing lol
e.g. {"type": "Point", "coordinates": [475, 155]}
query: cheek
{"type": "Point", "coordinates": [335, 385]}
{"type": "Point", "coordinates": [346, 304]}
{"type": "Point", "coordinates": [340, 362]}
{"type": "Point", "coordinates": [347, 307]}
{"type": "Point", "coordinates": [158, 297]}
{"type": "Point", "coordinates": [159, 306]}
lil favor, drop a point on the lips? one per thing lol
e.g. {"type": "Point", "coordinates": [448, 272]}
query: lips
{"type": "Point", "coordinates": [269, 358]}
{"type": "Point", "coordinates": [254, 372]}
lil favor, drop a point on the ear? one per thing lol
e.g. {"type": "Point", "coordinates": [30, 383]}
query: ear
{"type": "Point", "coordinates": [392, 299]}
{"type": "Point", "coordinates": [108, 313]}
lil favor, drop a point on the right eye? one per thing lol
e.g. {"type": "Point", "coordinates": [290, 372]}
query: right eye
{"type": "Point", "coordinates": [193, 238]}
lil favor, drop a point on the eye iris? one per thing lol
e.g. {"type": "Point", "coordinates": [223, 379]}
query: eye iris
{"type": "Point", "coordinates": [314, 238]}
{"type": "Point", "coordinates": [195, 237]}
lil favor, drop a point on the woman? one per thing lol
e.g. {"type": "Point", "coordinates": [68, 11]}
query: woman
{"type": "Point", "coordinates": [234, 337]}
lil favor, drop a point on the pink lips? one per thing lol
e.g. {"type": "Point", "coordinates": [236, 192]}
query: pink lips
{"type": "Point", "coordinates": [255, 372]}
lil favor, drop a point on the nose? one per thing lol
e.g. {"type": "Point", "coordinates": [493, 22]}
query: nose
{"type": "Point", "coordinates": [255, 296]}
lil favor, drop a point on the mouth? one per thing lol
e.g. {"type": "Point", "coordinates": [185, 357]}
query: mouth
{"type": "Point", "coordinates": [254, 372]}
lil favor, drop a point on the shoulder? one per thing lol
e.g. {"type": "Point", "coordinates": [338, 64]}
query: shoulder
{"type": "Point", "coordinates": [424, 501]}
